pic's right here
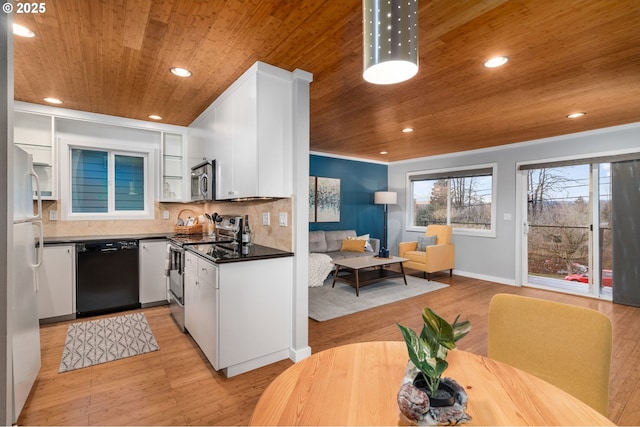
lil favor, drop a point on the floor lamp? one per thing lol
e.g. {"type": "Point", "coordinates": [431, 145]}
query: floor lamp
{"type": "Point", "coordinates": [385, 198]}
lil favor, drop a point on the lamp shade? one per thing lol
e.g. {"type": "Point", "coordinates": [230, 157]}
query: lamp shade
{"type": "Point", "coordinates": [390, 40]}
{"type": "Point", "coordinates": [385, 197]}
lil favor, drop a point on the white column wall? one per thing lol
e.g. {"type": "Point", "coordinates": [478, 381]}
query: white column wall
{"type": "Point", "coordinates": [300, 304]}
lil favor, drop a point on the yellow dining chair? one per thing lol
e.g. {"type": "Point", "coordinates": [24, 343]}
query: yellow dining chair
{"type": "Point", "coordinates": [565, 345]}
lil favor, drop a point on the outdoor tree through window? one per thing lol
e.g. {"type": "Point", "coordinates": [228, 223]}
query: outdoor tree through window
{"type": "Point", "coordinates": [559, 217]}
{"type": "Point", "coordinates": [462, 199]}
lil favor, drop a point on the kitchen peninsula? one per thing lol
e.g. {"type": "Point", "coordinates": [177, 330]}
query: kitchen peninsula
{"type": "Point", "coordinates": [237, 305]}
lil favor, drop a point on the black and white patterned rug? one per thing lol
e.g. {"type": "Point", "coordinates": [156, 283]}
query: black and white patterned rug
{"type": "Point", "coordinates": [104, 340]}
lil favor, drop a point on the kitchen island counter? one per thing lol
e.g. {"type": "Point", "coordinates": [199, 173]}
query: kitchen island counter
{"type": "Point", "coordinates": [239, 312]}
{"type": "Point", "coordinates": [228, 253]}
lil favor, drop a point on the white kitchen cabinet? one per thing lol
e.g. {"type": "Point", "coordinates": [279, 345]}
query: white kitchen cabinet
{"type": "Point", "coordinates": [190, 302]}
{"type": "Point", "coordinates": [254, 313]}
{"type": "Point", "coordinates": [201, 305]}
{"type": "Point", "coordinates": [34, 134]}
{"type": "Point", "coordinates": [56, 282]}
{"type": "Point", "coordinates": [253, 135]}
{"type": "Point", "coordinates": [174, 169]}
{"type": "Point", "coordinates": [153, 282]}
{"type": "Point", "coordinates": [239, 313]}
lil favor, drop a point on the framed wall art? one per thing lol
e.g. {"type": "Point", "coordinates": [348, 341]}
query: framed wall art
{"type": "Point", "coordinates": [324, 199]}
{"type": "Point", "coordinates": [312, 199]}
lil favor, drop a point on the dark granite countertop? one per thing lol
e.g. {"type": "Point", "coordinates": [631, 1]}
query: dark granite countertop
{"type": "Point", "coordinates": [226, 253]}
{"type": "Point", "coordinates": [217, 253]}
{"type": "Point", "coordinates": [60, 240]}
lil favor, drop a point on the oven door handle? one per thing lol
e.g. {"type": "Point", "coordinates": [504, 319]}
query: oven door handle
{"type": "Point", "coordinates": [180, 261]}
{"type": "Point", "coordinates": [177, 249]}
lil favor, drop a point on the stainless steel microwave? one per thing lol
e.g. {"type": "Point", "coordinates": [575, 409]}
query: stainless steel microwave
{"type": "Point", "coordinates": [203, 181]}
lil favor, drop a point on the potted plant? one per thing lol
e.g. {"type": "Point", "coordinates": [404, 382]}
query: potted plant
{"type": "Point", "coordinates": [428, 361]}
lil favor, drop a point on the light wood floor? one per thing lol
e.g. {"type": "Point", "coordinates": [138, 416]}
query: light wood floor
{"type": "Point", "coordinates": [177, 386]}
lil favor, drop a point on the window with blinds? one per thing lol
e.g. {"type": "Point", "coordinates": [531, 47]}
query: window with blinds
{"type": "Point", "coordinates": [89, 181]}
{"type": "Point", "coordinates": [461, 198]}
{"type": "Point", "coordinates": [129, 183]}
{"type": "Point", "coordinates": [103, 182]}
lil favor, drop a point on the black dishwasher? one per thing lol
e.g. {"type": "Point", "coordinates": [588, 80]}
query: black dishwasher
{"type": "Point", "coordinates": [106, 277]}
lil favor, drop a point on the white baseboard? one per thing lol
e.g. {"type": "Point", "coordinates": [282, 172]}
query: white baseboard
{"type": "Point", "coordinates": [252, 364]}
{"type": "Point", "coordinates": [501, 280]}
{"type": "Point", "coordinates": [299, 354]}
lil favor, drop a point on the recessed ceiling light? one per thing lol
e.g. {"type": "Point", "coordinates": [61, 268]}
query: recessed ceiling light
{"type": "Point", "coordinates": [576, 115]}
{"type": "Point", "coordinates": [180, 72]}
{"type": "Point", "coordinates": [384, 152]}
{"type": "Point", "coordinates": [52, 100]}
{"type": "Point", "coordinates": [155, 117]}
{"type": "Point", "coordinates": [496, 62]}
{"type": "Point", "coordinates": [407, 130]}
{"type": "Point", "coordinates": [21, 31]}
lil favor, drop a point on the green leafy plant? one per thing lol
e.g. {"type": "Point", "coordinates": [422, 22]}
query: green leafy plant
{"type": "Point", "coordinates": [429, 350]}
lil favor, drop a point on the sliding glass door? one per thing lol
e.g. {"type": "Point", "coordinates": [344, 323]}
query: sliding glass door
{"type": "Point", "coordinates": [558, 235]}
{"type": "Point", "coordinates": [604, 260]}
{"type": "Point", "coordinates": [579, 228]}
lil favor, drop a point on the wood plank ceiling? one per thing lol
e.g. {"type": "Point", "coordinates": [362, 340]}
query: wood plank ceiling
{"type": "Point", "coordinates": [113, 57]}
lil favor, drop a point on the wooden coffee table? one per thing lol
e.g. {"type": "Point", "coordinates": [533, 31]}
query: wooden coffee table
{"type": "Point", "coordinates": [367, 270]}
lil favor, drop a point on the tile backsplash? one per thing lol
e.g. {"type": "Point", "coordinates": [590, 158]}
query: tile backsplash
{"type": "Point", "coordinates": [272, 235]}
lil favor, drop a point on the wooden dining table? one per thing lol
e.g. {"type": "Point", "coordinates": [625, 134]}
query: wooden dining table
{"type": "Point", "coordinates": [357, 384]}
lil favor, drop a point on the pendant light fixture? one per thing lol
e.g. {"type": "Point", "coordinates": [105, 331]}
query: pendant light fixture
{"type": "Point", "coordinates": [390, 40]}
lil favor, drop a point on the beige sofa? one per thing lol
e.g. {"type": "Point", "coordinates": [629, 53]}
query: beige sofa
{"type": "Point", "coordinates": [330, 243]}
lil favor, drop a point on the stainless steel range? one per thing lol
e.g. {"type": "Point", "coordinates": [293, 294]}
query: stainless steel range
{"type": "Point", "coordinates": [228, 230]}
{"type": "Point", "coordinates": [228, 227]}
{"type": "Point", "coordinates": [176, 282]}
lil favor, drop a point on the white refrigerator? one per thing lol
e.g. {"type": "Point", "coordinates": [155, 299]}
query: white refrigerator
{"type": "Point", "coordinates": [27, 255]}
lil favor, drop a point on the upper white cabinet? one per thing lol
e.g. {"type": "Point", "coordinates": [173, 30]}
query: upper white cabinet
{"type": "Point", "coordinates": [49, 132]}
{"type": "Point", "coordinates": [174, 168]}
{"type": "Point", "coordinates": [34, 134]}
{"type": "Point", "coordinates": [250, 126]}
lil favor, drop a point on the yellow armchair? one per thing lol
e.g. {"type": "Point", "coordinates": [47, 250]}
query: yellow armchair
{"type": "Point", "coordinates": [438, 257]}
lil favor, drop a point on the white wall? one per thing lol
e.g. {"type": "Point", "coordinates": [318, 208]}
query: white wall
{"type": "Point", "coordinates": [6, 211]}
{"type": "Point", "coordinates": [494, 258]}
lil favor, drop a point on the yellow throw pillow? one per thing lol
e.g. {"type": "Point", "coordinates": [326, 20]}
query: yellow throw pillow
{"type": "Point", "coordinates": [353, 245]}
{"type": "Point", "coordinates": [365, 237]}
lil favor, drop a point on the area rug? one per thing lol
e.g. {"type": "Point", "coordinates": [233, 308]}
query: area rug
{"type": "Point", "coordinates": [104, 340]}
{"type": "Point", "coordinates": [327, 303]}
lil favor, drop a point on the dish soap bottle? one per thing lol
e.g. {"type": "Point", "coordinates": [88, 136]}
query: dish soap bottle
{"type": "Point", "coordinates": [246, 231]}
